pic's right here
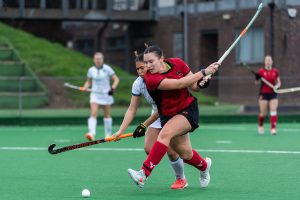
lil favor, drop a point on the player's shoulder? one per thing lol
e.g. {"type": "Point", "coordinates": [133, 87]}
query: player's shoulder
{"type": "Point", "coordinates": [138, 81]}
{"type": "Point", "coordinates": [175, 60]}
{"type": "Point", "coordinates": [106, 66]}
{"type": "Point", "coordinates": [275, 69]}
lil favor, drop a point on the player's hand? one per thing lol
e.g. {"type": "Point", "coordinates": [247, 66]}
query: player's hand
{"type": "Point", "coordinates": [212, 68]}
{"type": "Point", "coordinates": [203, 82]}
{"type": "Point", "coordinates": [116, 136]}
{"type": "Point", "coordinates": [276, 86]}
{"type": "Point", "coordinates": [82, 88]}
{"type": "Point", "coordinates": [139, 131]}
{"type": "Point", "coordinates": [111, 92]}
{"type": "Point", "coordinates": [257, 76]}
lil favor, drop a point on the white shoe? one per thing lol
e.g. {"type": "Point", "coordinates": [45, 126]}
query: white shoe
{"type": "Point", "coordinates": [261, 130]}
{"type": "Point", "coordinates": [273, 131]}
{"type": "Point", "coordinates": [204, 175]}
{"type": "Point", "coordinates": [138, 177]}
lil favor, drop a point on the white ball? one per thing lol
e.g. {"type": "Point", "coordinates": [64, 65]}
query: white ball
{"type": "Point", "coordinates": [85, 193]}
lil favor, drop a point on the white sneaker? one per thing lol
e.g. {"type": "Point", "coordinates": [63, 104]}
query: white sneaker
{"type": "Point", "coordinates": [204, 175]}
{"type": "Point", "coordinates": [261, 130]}
{"type": "Point", "coordinates": [138, 177]}
{"type": "Point", "coordinates": [273, 131]}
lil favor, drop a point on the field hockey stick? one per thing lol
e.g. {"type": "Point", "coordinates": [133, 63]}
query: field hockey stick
{"type": "Point", "coordinates": [279, 91]}
{"type": "Point", "coordinates": [287, 90]}
{"type": "Point", "coordinates": [81, 88]}
{"type": "Point", "coordinates": [53, 151]}
{"type": "Point", "coordinates": [237, 40]}
{"type": "Point", "coordinates": [263, 79]}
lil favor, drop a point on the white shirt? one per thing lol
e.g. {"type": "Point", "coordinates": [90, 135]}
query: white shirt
{"type": "Point", "coordinates": [101, 77]}
{"type": "Point", "coordinates": [139, 88]}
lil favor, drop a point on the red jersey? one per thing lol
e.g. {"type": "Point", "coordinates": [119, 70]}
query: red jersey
{"type": "Point", "coordinates": [271, 76]}
{"type": "Point", "coordinates": [169, 102]}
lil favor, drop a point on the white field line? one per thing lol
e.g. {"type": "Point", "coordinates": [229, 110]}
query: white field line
{"type": "Point", "coordinates": [138, 149]}
{"type": "Point", "coordinates": [242, 128]}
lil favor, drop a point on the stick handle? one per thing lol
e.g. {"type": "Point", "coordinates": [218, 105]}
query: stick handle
{"type": "Point", "coordinates": [238, 39]}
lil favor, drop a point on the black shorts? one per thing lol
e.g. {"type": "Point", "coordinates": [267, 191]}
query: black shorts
{"type": "Point", "coordinates": [267, 96]}
{"type": "Point", "coordinates": [191, 113]}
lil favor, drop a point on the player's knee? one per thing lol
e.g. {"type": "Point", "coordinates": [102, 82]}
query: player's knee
{"type": "Point", "coordinates": [186, 155]}
{"type": "Point", "coordinates": [173, 155]}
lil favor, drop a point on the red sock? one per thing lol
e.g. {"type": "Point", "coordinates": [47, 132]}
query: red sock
{"type": "Point", "coordinates": [273, 120]}
{"type": "Point", "coordinates": [261, 120]}
{"type": "Point", "coordinates": [197, 161]}
{"type": "Point", "coordinates": [156, 154]}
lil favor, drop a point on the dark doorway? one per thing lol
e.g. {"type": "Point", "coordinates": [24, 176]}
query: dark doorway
{"type": "Point", "coordinates": [208, 55]}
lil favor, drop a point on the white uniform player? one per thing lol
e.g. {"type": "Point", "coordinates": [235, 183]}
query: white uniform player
{"type": "Point", "coordinates": [99, 77]}
{"type": "Point", "coordinates": [101, 82]}
{"type": "Point", "coordinates": [138, 89]}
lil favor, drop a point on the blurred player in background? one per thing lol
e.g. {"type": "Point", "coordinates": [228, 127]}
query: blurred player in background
{"type": "Point", "coordinates": [267, 97]}
{"type": "Point", "coordinates": [99, 76]}
{"type": "Point", "coordinates": [153, 123]}
{"type": "Point", "coordinates": [168, 82]}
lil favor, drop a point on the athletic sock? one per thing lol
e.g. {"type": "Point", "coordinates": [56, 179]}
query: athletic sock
{"type": "Point", "coordinates": [197, 161]}
{"type": "Point", "coordinates": [178, 168]}
{"type": "Point", "coordinates": [107, 126]}
{"type": "Point", "coordinates": [156, 154]}
{"type": "Point", "coordinates": [261, 120]}
{"type": "Point", "coordinates": [92, 124]}
{"type": "Point", "coordinates": [273, 119]}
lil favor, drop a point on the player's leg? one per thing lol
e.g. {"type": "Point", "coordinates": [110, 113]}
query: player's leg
{"type": "Point", "coordinates": [273, 115]}
{"type": "Point", "coordinates": [263, 107]}
{"type": "Point", "coordinates": [107, 120]}
{"type": "Point", "coordinates": [182, 145]}
{"type": "Point", "coordinates": [92, 122]}
{"type": "Point", "coordinates": [177, 125]}
{"type": "Point", "coordinates": [175, 161]}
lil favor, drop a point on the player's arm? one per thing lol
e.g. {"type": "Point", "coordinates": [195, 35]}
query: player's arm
{"type": "Point", "coordinates": [187, 81]}
{"type": "Point", "coordinates": [141, 128]}
{"type": "Point", "coordinates": [129, 115]}
{"type": "Point", "coordinates": [115, 80]}
{"type": "Point", "coordinates": [151, 119]}
{"type": "Point", "coordinates": [86, 84]}
{"type": "Point", "coordinates": [278, 83]}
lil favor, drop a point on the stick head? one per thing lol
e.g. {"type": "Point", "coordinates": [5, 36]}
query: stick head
{"type": "Point", "coordinates": [51, 149]}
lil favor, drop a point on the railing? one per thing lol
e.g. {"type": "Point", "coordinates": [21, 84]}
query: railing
{"type": "Point", "coordinates": [88, 10]}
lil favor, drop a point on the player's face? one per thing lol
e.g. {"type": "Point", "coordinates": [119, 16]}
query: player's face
{"type": "Point", "coordinates": [152, 62]}
{"type": "Point", "coordinates": [98, 60]}
{"type": "Point", "coordinates": [140, 68]}
{"type": "Point", "coordinates": [268, 62]}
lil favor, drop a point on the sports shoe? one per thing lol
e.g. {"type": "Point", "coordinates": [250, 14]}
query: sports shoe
{"type": "Point", "coordinates": [204, 175]}
{"type": "Point", "coordinates": [261, 130]}
{"type": "Point", "coordinates": [89, 137]}
{"type": "Point", "coordinates": [179, 184]}
{"type": "Point", "coordinates": [138, 177]}
{"type": "Point", "coordinates": [273, 131]}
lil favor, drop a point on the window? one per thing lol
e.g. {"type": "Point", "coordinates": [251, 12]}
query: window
{"type": "Point", "coordinates": [116, 43]}
{"type": "Point", "coordinates": [178, 45]}
{"type": "Point", "coordinates": [251, 46]}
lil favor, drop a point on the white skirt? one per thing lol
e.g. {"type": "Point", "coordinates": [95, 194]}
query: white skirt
{"type": "Point", "coordinates": [101, 99]}
{"type": "Point", "coordinates": [156, 124]}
